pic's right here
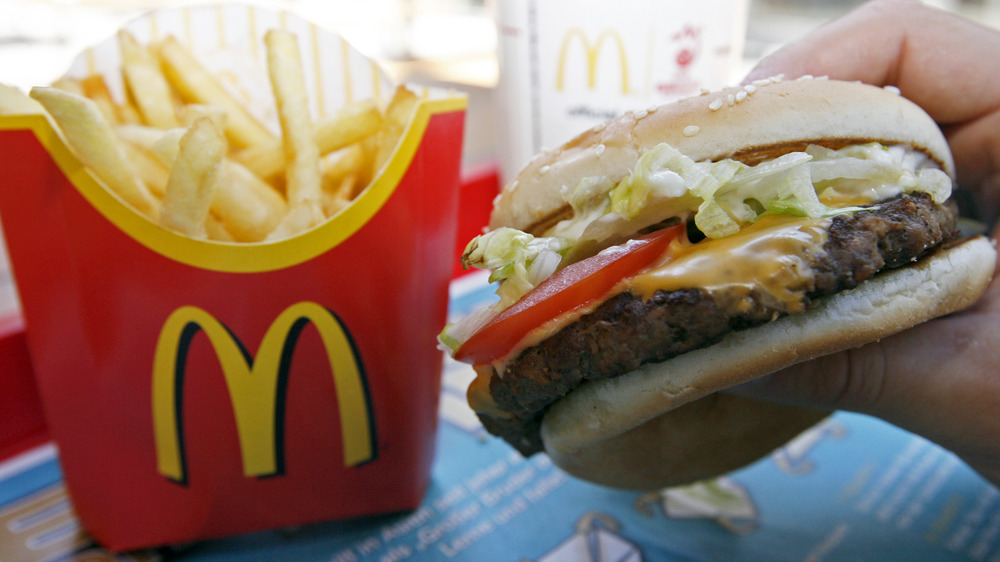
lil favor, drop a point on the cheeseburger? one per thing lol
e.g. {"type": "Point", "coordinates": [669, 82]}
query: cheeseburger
{"type": "Point", "coordinates": [669, 254]}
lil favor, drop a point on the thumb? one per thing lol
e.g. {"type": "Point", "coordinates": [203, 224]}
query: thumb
{"type": "Point", "coordinates": [940, 380]}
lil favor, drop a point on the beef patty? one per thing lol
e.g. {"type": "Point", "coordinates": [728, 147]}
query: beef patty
{"type": "Point", "coordinates": [626, 331]}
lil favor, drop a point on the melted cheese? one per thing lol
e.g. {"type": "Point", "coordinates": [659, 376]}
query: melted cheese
{"type": "Point", "coordinates": [478, 394]}
{"type": "Point", "coordinates": [768, 259]}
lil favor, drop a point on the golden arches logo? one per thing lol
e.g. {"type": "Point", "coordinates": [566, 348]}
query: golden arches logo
{"type": "Point", "coordinates": [256, 386]}
{"type": "Point", "coordinates": [591, 51]}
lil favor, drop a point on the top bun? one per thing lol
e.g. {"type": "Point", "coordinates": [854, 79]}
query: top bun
{"type": "Point", "coordinates": [749, 123]}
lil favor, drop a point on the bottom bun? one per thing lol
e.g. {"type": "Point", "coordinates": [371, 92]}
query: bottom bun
{"type": "Point", "coordinates": [664, 425]}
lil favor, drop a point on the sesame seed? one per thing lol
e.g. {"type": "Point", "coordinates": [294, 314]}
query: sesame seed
{"type": "Point", "coordinates": [691, 130]}
{"type": "Point", "coordinates": [731, 99]}
{"type": "Point", "coordinates": [750, 89]}
{"type": "Point", "coordinates": [640, 114]}
{"type": "Point", "coordinates": [599, 127]}
{"type": "Point", "coordinates": [544, 169]}
{"type": "Point", "coordinates": [600, 149]}
{"type": "Point", "coordinates": [741, 95]}
{"type": "Point", "coordinates": [704, 92]}
{"type": "Point", "coordinates": [651, 109]}
{"type": "Point", "coordinates": [716, 105]}
{"type": "Point", "coordinates": [892, 89]}
{"type": "Point", "coordinates": [762, 82]}
{"type": "Point", "coordinates": [805, 77]}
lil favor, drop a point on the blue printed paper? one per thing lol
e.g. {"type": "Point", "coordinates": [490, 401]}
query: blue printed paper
{"type": "Point", "coordinates": [850, 488]}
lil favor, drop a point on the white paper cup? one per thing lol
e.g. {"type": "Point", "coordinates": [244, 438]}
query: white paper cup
{"type": "Point", "coordinates": [566, 65]}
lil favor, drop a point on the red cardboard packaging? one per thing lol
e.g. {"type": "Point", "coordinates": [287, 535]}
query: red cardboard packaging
{"type": "Point", "coordinates": [197, 389]}
{"type": "Point", "coordinates": [23, 425]}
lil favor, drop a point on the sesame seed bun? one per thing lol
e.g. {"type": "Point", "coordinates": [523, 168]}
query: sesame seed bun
{"type": "Point", "coordinates": [749, 123]}
{"type": "Point", "coordinates": [666, 423]}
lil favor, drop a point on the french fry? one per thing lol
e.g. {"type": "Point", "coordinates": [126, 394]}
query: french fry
{"type": "Point", "coordinates": [194, 178]}
{"type": "Point", "coordinates": [147, 137]}
{"type": "Point", "coordinates": [152, 151]}
{"type": "Point", "coordinates": [191, 112]}
{"type": "Point", "coordinates": [302, 180]}
{"type": "Point", "coordinates": [249, 206]}
{"type": "Point", "coordinates": [68, 84]}
{"type": "Point", "coordinates": [335, 200]}
{"type": "Point", "coordinates": [398, 114]}
{"type": "Point", "coordinates": [335, 166]}
{"type": "Point", "coordinates": [145, 81]}
{"type": "Point", "coordinates": [333, 205]}
{"type": "Point", "coordinates": [150, 169]}
{"type": "Point", "coordinates": [345, 174]}
{"type": "Point", "coordinates": [95, 88]}
{"type": "Point", "coordinates": [195, 84]}
{"type": "Point", "coordinates": [333, 132]}
{"type": "Point", "coordinates": [93, 140]}
{"type": "Point", "coordinates": [217, 231]}
{"type": "Point", "coordinates": [164, 150]}
{"type": "Point", "coordinates": [349, 125]}
{"type": "Point", "coordinates": [127, 113]}
{"type": "Point", "coordinates": [347, 187]}
{"type": "Point", "coordinates": [300, 217]}
{"type": "Point", "coordinates": [246, 205]}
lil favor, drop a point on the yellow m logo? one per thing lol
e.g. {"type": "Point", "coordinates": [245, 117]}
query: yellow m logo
{"type": "Point", "coordinates": [591, 51]}
{"type": "Point", "coordinates": [256, 386]}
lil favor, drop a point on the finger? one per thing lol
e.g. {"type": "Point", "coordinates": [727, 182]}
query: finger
{"type": "Point", "coordinates": [905, 44]}
{"type": "Point", "coordinates": [940, 380]}
{"type": "Point", "coordinates": [939, 60]}
{"type": "Point", "coordinates": [976, 149]}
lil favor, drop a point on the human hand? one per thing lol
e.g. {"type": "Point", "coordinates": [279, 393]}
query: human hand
{"type": "Point", "coordinates": [940, 379]}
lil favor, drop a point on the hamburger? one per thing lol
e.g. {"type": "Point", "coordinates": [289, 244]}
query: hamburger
{"type": "Point", "coordinates": [669, 254]}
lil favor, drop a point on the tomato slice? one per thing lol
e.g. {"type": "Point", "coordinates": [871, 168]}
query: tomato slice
{"type": "Point", "coordinates": [574, 286]}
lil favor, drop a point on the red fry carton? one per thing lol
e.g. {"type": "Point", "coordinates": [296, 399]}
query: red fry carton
{"type": "Point", "coordinates": [198, 389]}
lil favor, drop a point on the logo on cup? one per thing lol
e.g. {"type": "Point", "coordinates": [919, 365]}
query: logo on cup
{"type": "Point", "coordinates": [591, 52]}
{"type": "Point", "coordinates": [256, 387]}
{"type": "Point", "coordinates": [686, 48]}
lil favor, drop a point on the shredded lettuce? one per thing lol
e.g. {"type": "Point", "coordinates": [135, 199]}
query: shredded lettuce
{"type": "Point", "coordinates": [659, 174]}
{"type": "Point", "coordinates": [789, 207]}
{"type": "Point", "coordinates": [590, 204]}
{"type": "Point", "coordinates": [722, 197]}
{"type": "Point", "coordinates": [876, 172]}
{"type": "Point", "coordinates": [518, 260]}
{"type": "Point", "coordinates": [447, 341]}
{"type": "Point", "coordinates": [731, 194]}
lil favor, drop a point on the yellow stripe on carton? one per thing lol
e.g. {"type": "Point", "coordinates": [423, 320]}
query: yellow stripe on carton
{"type": "Point", "coordinates": [240, 257]}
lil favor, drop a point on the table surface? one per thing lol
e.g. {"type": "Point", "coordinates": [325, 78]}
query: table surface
{"type": "Point", "coordinates": [851, 488]}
